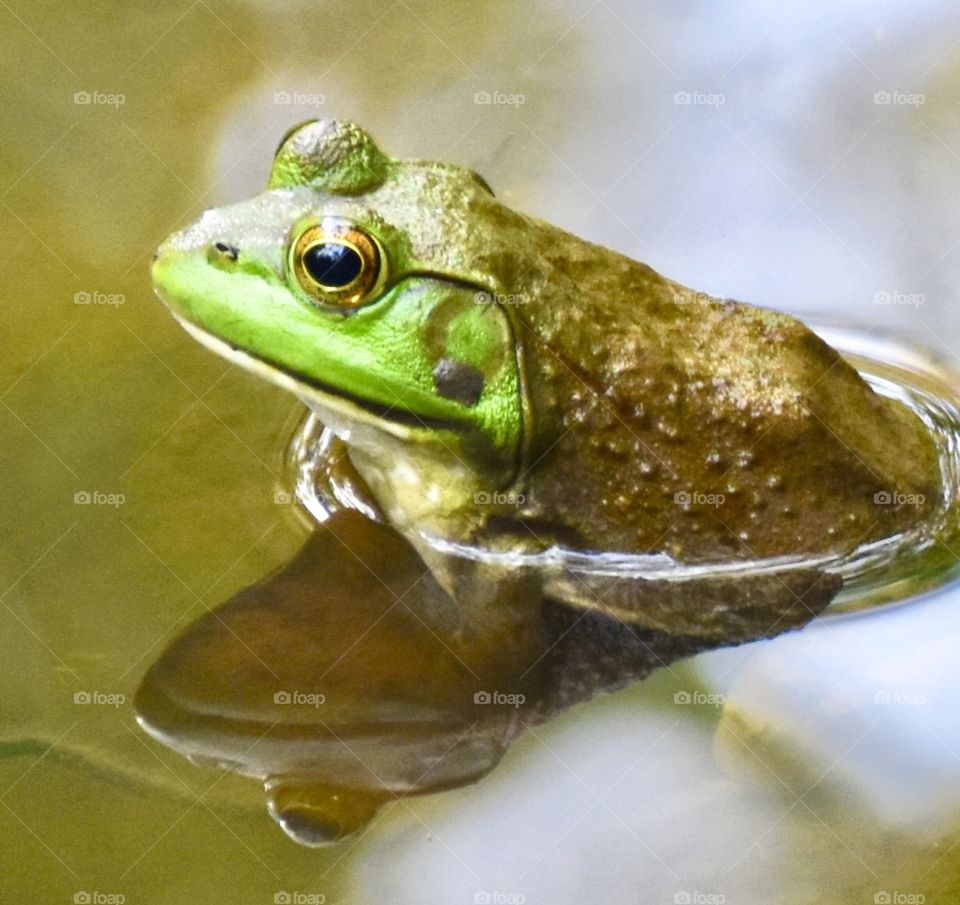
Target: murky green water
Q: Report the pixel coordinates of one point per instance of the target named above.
(138, 476)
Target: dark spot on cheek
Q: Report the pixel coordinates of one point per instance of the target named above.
(458, 381)
(231, 252)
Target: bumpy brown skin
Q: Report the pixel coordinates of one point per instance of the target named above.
(645, 391)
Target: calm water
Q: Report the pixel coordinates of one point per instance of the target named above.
(139, 473)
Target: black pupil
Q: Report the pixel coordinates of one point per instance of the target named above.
(332, 264)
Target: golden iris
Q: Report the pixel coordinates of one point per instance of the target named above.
(336, 263)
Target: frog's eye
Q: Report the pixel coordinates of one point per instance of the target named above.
(337, 263)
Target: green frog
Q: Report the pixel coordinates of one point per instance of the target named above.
(497, 384)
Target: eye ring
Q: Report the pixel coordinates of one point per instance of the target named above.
(337, 263)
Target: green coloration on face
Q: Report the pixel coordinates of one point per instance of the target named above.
(502, 383)
(375, 357)
(232, 281)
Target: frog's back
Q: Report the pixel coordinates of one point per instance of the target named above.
(670, 420)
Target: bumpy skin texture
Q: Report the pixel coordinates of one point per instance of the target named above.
(708, 429)
(615, 409)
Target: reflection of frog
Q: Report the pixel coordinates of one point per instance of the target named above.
(502, 383)
(343, 681)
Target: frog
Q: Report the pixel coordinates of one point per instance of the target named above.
(495, 383)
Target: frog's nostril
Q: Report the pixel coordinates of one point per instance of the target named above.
(228, 251)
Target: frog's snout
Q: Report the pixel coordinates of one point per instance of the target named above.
(218, 252)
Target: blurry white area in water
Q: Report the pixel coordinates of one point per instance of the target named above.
(632, 817)
(780, 181)
(714, 788)
(871, 699)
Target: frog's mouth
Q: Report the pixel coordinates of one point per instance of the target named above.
(402, 423)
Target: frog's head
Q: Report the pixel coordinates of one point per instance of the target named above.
(367, 285)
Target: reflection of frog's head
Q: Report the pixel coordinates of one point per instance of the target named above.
(365, 284)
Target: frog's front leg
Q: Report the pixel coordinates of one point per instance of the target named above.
(325, 479)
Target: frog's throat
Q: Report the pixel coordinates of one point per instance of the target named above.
(395, 420)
